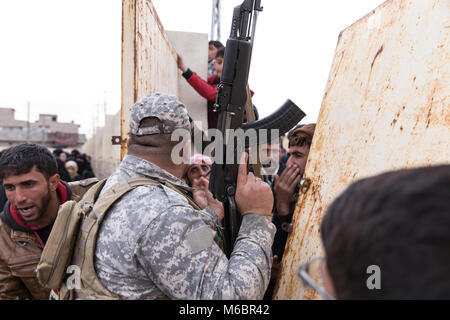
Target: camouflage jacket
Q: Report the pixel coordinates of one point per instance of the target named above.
(152, 244)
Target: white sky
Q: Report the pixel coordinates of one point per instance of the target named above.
(62, 55)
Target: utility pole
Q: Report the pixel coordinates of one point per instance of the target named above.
(28, 121)
(215, 21)
(105, 105)
(97, 116)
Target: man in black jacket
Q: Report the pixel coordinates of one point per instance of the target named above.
(63, 174)
(2, 191)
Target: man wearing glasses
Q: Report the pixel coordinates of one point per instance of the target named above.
(386, 237)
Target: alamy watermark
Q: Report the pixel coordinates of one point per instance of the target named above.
(221, 147)
(74, 277)
(374, 280)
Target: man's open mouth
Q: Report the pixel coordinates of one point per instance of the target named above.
(26, 211)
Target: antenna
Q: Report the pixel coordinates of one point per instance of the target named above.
(215, 21)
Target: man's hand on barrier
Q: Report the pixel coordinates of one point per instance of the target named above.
(180, 63)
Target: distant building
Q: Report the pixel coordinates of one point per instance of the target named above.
(46, 131)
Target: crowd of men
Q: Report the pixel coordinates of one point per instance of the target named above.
(163, 236)
(162, 239)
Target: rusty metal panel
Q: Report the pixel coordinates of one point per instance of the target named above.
(386, 106)
(148, 59)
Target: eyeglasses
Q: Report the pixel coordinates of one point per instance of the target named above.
(311, 274)
(206, 175)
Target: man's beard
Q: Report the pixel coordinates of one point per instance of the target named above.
(45, 201)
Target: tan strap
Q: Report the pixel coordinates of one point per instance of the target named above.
(140, 181)
(119, 189)
(116, 191)
(88, 200)
(184, 194)
(134, 182)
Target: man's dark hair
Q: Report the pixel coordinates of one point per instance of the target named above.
(22, 158)
(216, 44)
(57, 152)
(75, 152)
(220, 52)
(398, 221)
(301, 135)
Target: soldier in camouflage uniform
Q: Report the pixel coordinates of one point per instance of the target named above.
(153, 244)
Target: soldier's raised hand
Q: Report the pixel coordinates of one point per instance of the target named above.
(252, 194)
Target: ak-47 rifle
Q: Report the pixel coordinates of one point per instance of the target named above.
(230, 103)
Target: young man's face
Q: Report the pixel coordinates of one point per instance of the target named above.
(30, 194)
(218, 65)
(212, 50)
(298, 155)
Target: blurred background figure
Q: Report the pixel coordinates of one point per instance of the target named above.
(213, 46)
(72, 169)
(3, 198)
(61, 158)
(84, 167)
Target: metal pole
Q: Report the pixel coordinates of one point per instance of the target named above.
(28, 121)
(215, 20)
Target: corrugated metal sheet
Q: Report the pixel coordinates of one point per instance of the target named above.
(386, 106)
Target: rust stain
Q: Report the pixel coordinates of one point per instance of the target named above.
(337, 68)
(128, 84)
(376, 56)
(366, 93)
(429, 116)
(412, 100)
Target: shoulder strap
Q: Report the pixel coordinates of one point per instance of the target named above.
(95, 208)
(183, 193)
(115, 192)
(91, 199)
(88, 199)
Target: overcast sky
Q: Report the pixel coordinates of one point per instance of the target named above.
(64, 56)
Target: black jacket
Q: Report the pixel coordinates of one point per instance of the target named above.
(3, 198)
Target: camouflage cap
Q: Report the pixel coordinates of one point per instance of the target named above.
(165, 107)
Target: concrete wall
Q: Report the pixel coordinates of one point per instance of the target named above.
(7, 119)
(386, 106)
(105, 156)
(63, 127)
(193, 47)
